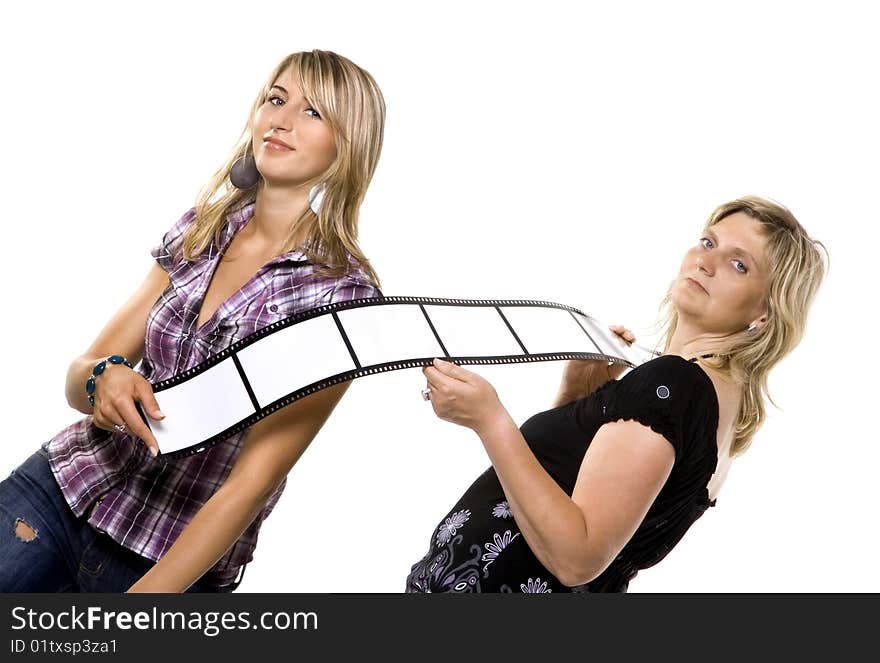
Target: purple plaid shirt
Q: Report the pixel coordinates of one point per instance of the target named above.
(144, 503)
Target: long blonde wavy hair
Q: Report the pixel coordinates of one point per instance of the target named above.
(349, 100)
(796, 269)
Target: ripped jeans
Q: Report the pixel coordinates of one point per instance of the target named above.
(44, 547)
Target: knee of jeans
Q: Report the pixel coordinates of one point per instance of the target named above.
(23, 531)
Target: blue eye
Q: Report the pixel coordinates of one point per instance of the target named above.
(707, 243)
(273, 98)
(313, 113)
(740, 266)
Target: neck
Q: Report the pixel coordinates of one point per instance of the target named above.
(689, 341)
(277, 211)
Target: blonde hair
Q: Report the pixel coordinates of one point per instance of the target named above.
(795, 271)
(348, 99)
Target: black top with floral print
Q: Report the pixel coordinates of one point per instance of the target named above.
(478, 547)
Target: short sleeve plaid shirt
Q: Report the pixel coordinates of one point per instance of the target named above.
(144, 503)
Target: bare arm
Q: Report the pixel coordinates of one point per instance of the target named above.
(577, 537)
(621, 475)
(272, 447)
(124, 334)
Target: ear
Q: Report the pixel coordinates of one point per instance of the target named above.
(758, 323)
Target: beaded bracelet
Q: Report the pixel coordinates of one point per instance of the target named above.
(98, 369)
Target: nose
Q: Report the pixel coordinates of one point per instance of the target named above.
(281, 119)
(705, 265)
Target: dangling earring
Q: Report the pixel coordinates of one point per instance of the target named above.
(316, 197)
(244, 173)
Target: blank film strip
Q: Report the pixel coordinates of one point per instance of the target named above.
(309, 351)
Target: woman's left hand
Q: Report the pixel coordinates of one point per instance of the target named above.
(462, 397)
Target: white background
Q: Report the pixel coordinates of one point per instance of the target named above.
(531, 151)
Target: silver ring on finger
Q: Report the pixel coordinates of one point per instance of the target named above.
(426, 394)
(119, 427)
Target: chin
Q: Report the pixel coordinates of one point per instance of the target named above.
(680, 296)
(685, 304)
(273, 175)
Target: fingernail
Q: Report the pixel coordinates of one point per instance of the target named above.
(154, 451)
(160, 414)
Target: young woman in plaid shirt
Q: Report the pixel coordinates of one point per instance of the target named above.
(94, 509)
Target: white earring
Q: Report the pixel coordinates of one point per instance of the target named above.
(316, 197)
(752, 328)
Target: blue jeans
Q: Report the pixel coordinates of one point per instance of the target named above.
(44, 547)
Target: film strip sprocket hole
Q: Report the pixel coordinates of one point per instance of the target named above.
(315, 349)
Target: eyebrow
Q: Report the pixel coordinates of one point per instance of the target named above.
(736, 249)
(287, 93)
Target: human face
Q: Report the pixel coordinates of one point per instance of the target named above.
(292, 142)
(722, 283)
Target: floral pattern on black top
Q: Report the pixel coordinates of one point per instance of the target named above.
(478, 547)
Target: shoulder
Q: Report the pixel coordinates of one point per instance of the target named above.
(312, 287)
(169, 246)
(671, 395)
(352, 285)
(671, 378)
(233, 218)
(182, 224)
(355, 283)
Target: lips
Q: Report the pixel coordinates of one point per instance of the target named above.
(278, 143)
(697, 284)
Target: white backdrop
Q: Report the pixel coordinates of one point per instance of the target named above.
(532, 151)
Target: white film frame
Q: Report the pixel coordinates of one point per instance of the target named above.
(313, 350)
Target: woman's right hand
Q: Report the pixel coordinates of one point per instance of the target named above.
(116, 391)
(581, 377)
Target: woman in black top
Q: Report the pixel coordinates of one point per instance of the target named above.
(584, 495)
